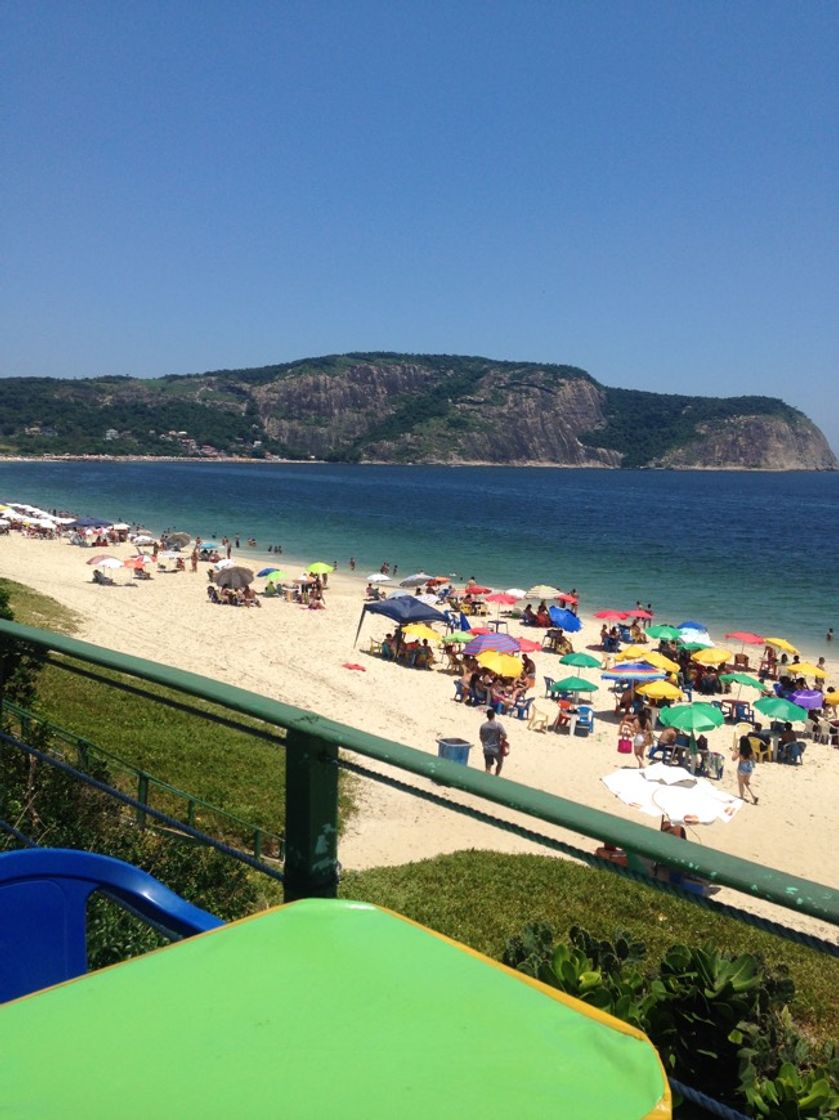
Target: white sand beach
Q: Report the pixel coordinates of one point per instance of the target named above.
(297, 655)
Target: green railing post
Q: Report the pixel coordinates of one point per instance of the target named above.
(311, 815)
(257, 843)
(142, 797)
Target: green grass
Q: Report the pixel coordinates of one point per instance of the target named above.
(484, 898)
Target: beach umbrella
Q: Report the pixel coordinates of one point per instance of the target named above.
(416, 580)
(660, 690)
(88, 523)
(634, 673)
(746, 637)
(501, 597)
(501, 643)
(143, 538)
(98, 558)
(574, 684)
(741, 679)
(266, 572)
(806, 669)
(420, 630)
(320, 569)
(673, 792)
(137, 562)
(692, 624)
(168, 554)
(711, 656)
(220, 565)
(404, 609)
(692, 717)
(205, 546)
(692, 647)
(429, 600)
(781, 644)
(109, 562)
(461, 636)
(579, 660)
(567, 597)
(179, 540)
(613, 616)
(662, 631)
(808, 698)
(234, 577)
(378, 577)
(526, 645)
(775, 707)
(689, 636)
(542, 591)
(274, 576)
(516, 592)
(565, 619)
(660, 661)
(504, 664)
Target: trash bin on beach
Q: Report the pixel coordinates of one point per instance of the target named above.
(455, 750)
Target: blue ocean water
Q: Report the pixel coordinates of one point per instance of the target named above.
(734, 550)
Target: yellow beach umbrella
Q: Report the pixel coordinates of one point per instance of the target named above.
(504, 664)
(781, 643)
(712, 656)
(807, 669)
(831, 698)
(661, 662)
(660, 690)
(543, 591)
(419, 630)
(633, 653)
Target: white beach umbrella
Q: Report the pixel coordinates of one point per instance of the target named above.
(378, 577)
(517, 592)
(220, 565)
(673, 792)
(109, 562)
(143, 538)
(168, 554)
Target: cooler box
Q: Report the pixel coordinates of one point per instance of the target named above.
(455, 750)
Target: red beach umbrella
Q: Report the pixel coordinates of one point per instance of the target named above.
(474, 589)
(639, 613)
(615, 616)
(528, 646)
(501, 597)
(566, 597)
(747, 637)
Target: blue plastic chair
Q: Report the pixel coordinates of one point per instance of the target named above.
(43, 912)
(585, 720)
(549, 681)
(522, 708)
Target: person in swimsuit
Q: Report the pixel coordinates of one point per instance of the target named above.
(744, 757)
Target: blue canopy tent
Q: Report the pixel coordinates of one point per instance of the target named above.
(401, 610)
(89, 523)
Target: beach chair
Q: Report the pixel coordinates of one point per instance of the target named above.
(585, 720)
(43, 912)
(537, 720)
(549, 681)
(742, 711)
(521, 710)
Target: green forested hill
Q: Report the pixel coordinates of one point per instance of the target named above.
(403, 408)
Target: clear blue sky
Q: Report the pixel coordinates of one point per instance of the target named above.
(647, 190)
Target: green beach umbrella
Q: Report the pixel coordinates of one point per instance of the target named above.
(320, 568)
(574, 684)
(669, 632)
(459, 636)
(692, 717)
(692, 647)
(742, 678)
(274, 576)
(777, 708)
(580, 660)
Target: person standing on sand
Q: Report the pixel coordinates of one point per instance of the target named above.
(193, 560)
(744, 757)
(829, 635)
(493, 741)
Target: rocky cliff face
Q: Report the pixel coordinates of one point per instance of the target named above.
(756, 443)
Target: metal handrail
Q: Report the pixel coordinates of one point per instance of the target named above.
(311, 748)
(86, 750)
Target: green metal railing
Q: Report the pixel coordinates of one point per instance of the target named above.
(312, 744)
(144, 785)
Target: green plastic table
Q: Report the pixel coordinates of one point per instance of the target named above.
(320, 1009)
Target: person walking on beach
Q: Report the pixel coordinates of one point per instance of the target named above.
(493, 741)
(643, 737)
(744, 756)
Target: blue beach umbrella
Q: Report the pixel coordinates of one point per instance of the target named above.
(266, 571)
(565, 619)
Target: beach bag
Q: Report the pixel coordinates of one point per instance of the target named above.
(505, 747)
(624, 746)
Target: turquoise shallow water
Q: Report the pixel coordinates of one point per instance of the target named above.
(734, 550)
